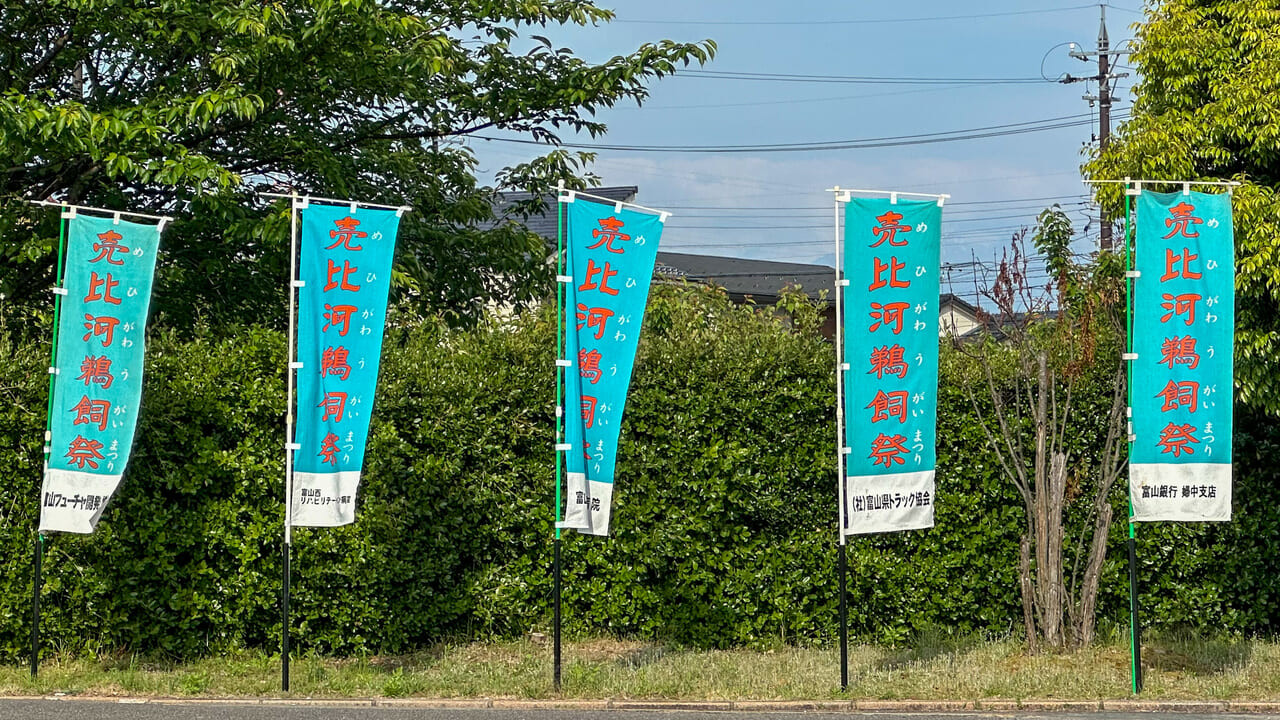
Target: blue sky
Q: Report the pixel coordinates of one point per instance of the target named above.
(774, 205)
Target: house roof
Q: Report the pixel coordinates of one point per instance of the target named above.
(959, 303)
(762, 280)
(544, 224)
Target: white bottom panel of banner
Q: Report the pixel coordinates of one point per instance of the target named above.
(601, 502)
(324, 499)
(587, 505)
(1197, 492)
(889, 503)
(72, 501)
(577, 502)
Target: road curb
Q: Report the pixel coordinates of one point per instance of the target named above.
(789, 706)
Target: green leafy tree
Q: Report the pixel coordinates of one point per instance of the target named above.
(184, 107)
(1208, 107)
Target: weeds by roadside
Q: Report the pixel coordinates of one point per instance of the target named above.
(934, 667)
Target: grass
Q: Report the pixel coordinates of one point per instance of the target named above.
(933, 668)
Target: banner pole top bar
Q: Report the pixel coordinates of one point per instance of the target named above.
(569, 195)
(114, 214)
(400, 209)
(1134, 187)
(845, 195)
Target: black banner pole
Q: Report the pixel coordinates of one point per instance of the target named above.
(284, 635)
(36, 585)
(1135, 625)
(844, 619)
(555, 632)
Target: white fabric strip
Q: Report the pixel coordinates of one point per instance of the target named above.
(324, 499)
(577, 500)
(601, 503)
(1197, 492)
(889, 503)
(72, 501)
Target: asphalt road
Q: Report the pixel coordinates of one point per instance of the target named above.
(90, 710)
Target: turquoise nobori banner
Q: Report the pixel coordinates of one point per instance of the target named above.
(345, 268)
(1183, 331)
(110, 264)
(891, 258)
(611, 254)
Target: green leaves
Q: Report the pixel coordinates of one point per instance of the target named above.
(724, 520)
(159, 107)
(1208, 107)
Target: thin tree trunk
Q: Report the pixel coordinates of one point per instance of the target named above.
(1028, 599)
(1087, 623)
(1052, 575)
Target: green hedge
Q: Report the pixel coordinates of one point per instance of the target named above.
(724, 520)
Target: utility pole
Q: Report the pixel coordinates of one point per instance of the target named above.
(1104, 79)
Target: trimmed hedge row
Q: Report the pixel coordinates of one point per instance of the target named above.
(723, 526)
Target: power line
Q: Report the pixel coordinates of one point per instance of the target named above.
(857, 79)
(828, 242)
(673, 223)
(816, 213)
(828, 207)
(798, 101)
(867, 21)
(890, 141)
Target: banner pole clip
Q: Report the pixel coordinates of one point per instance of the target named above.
(842, 282)
(1133, 273)
(58, 290)
(564, 278)
(563, 447)
(1129, 356)
(561, 362)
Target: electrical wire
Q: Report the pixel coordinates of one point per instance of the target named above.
(866, 21)
(805, 213)
(855, 79)
(889, 141)
(675, 223)
(827, 208)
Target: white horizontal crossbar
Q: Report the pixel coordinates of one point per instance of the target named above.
(72, 209)
(334, 201)
(569, 195)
